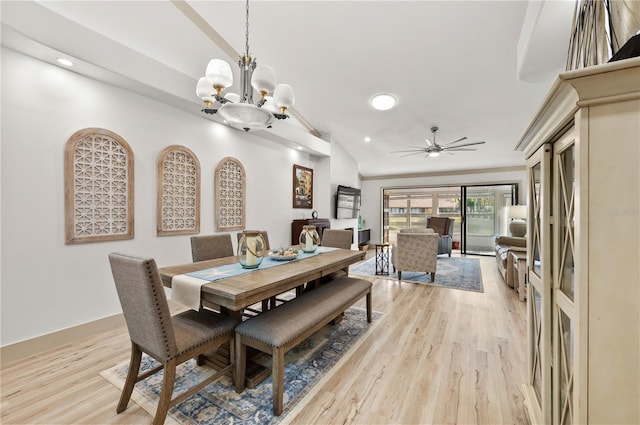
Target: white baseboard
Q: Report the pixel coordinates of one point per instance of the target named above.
(29, 347)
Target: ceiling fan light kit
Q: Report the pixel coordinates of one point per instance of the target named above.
(241, 111)
(433, 149)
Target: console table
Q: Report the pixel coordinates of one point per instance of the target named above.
(364, 236)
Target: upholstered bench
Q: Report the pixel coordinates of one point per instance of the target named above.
(282, 328)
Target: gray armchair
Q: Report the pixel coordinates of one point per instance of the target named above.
(443, 226)
(415, 252)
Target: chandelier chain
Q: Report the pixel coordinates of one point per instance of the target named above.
(246, 42)
(239, 110)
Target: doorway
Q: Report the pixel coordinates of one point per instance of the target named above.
(483, 217)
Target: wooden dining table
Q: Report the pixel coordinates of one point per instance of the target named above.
(235, 293)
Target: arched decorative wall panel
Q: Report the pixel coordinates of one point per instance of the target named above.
(98, 187)
(178, 202)
(230, 182)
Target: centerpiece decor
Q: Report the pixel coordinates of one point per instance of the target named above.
(251, 249)
(309, 239)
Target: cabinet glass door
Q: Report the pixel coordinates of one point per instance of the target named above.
(564, 317)
(565, 177)
(539, 248)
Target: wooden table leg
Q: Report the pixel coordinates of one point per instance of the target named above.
(255, 372)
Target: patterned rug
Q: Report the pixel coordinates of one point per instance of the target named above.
(451, 272)
(218, 403)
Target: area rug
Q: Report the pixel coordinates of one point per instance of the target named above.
(451, 272)
(305, 365)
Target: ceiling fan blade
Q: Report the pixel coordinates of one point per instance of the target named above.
(429, 142)
(456, 141)
(460, 150)
(409, 150)
(465, 145)
(410, 154)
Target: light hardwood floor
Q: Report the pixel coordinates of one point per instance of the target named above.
(437, 356)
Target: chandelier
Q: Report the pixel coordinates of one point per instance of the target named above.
(239, 110)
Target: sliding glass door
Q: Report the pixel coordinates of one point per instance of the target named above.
(479, 212)
(486, 216)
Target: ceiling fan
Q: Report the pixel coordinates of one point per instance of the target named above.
(434, 149)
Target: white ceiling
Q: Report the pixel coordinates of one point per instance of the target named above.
(453, 64)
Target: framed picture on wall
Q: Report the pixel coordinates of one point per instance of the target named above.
(302, 187)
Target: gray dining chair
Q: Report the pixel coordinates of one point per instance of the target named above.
(210, 247)
(171, 340)
(337, 238)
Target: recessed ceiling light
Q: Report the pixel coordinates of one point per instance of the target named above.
(299, 148)
(367, 139)
(65, 62)
(383, 101)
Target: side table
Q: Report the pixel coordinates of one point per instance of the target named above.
(382, 259)
(519, 273)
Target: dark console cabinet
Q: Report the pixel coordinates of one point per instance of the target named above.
(296, 227)
(364, 235)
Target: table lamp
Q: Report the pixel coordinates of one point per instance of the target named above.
(518, 216)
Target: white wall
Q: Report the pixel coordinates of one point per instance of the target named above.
(372, 191)
(49, 286)
(344, 171)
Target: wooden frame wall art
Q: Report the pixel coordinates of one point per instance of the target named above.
(230, 204)
(302, 187)
(178, 201)
(98, 187)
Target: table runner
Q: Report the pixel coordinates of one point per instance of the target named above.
(186, 288)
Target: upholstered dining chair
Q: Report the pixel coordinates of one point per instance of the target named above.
(209, 247)
(337, 238)
(415, 252)
(171, 340)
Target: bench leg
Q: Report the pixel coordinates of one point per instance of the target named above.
(369, 307)
(277, 376)
(239, 364)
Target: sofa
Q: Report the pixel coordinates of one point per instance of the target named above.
(504, 245)
(443, 226)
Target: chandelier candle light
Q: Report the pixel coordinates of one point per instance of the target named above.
(239, 110)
